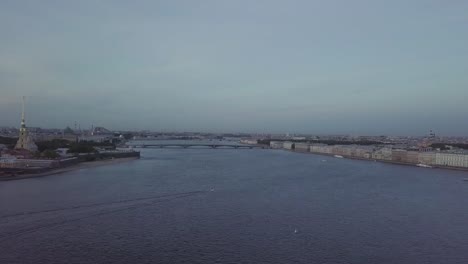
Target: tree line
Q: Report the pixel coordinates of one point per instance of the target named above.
(446, 146)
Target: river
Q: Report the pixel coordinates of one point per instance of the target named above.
(237, 206)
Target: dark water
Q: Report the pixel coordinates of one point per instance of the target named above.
(237, 206)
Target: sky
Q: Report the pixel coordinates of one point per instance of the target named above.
(367, 67)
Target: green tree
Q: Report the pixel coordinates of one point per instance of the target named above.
(52, 144)
(8, 141)
(50, 154)
(81, 148)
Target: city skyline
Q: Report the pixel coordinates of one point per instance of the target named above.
(79, 128)
(316, 67)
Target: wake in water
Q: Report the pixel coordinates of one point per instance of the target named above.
(96, 204)
(142, 202)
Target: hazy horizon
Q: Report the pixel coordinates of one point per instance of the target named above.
(316, 67)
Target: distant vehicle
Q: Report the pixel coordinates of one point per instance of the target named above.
(423, 165)
(338, 156)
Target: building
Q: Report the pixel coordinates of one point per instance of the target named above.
(412, 157)
(298, 138)
(427, 158)
(249, 141)
(14, 163)
(63, 152)
(96, 138)
(399, 155)
(382, 154)
(25, 141)
(364, 152)
(276, 144)
(321, 148)
(101, 131)
(288, 145)
(303, 147)
(28, 163)
(451, 160)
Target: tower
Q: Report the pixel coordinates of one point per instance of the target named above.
(25, 141)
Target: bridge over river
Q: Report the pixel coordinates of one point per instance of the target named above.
(188, 145)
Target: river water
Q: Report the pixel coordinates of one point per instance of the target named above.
(237, 206)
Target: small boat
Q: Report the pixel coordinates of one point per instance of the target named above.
(338, 156)
(423, 165)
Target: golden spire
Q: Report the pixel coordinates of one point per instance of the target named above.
(23, 122)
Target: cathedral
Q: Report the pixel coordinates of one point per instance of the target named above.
(25, 141)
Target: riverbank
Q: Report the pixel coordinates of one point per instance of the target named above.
(383, 161)
(81, 165)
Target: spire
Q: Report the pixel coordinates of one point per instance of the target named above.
(25, 141)
(23, 122)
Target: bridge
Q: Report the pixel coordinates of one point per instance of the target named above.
(213, 146)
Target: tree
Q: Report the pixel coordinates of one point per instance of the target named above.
(50, 154)
(445, 146)
(52, 144)
(81, 148)
(8, 141)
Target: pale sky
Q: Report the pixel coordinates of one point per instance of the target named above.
(358, 67)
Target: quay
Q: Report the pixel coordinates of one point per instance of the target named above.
(386, 153)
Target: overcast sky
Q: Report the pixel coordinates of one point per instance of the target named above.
(358, 67)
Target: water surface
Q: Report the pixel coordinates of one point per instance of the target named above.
(237, 206)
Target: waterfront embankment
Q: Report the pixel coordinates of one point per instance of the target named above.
(394, 162)
(27, 168)
(78, 166)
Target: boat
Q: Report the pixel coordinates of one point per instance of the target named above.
(338, 156)
(423, 165)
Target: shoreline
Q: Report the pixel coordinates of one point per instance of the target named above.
(382, 161)
(81, 165)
